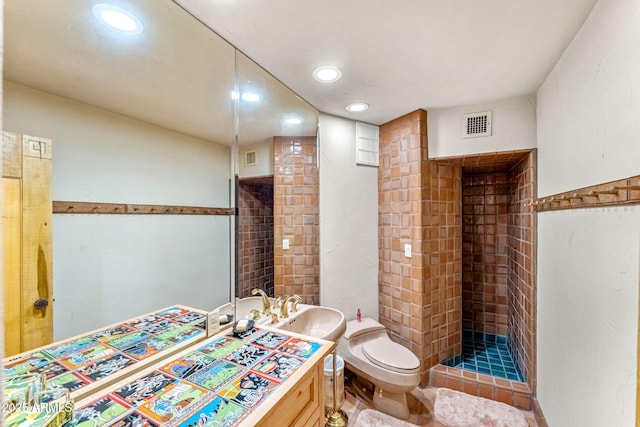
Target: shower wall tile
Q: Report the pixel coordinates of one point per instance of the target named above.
(296, 217)
(485, 252)
(255, 238)
(522, 268)
(419, 205)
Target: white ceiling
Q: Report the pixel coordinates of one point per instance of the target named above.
(402, 55)
(397, 56)
(176, 74)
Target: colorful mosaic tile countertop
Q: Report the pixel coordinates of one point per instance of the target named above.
(217, 382)
(82, 361)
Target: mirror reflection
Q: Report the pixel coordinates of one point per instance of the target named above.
(135, 119)
(277, 237)
(145, 119)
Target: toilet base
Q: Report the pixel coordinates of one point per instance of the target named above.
(394, 404)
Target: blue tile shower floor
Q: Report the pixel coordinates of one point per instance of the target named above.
(486, 354)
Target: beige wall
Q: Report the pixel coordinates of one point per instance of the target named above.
(112, 267)
(514, 128)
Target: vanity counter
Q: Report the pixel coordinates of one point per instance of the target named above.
(86, 363)
(260, 377)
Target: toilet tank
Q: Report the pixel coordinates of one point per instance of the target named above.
(356, 329)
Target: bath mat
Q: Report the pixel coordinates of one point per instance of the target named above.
(373, 418)
(455, 409)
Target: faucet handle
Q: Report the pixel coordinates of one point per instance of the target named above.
(274, 318)
(255, 314)
(294, 304)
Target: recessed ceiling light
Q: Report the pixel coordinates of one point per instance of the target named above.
(292, 120)
(327, 74)
(357, 107)
(250, 96)
(118, 18)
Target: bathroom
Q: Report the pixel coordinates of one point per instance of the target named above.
(572, 302)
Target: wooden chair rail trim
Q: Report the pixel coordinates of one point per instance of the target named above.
(615, 193)
(88, 208)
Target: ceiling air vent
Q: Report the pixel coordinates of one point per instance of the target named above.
(476, 124)
(250, 158)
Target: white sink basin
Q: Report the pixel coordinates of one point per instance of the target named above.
(244, 306)
(316, 321)
(311, 320)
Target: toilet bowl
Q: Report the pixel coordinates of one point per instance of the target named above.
(392, 369)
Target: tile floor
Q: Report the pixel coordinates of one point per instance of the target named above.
(421, 402)
(487, 354)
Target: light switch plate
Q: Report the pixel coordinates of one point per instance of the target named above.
(407, 250)
(213, 322)
(285, 244)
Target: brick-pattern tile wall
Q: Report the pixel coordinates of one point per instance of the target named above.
(522, 268)
(520, 223)
(420, 205)
(442, 275)
(255, 238)
(401, 286)
(296, 217)
(484, 252)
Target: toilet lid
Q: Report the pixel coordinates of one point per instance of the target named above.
(390, 355)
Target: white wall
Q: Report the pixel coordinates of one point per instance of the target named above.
(110, 267)
(588, 316)
(589, 105)
(514, 128)
(588, 260)
(264, 160)
(348, 222)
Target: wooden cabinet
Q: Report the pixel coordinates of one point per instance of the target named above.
(301, 406)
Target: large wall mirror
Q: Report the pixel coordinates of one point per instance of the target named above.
(154, 118)
(276, 139)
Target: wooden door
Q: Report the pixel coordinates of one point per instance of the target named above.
(27, 242)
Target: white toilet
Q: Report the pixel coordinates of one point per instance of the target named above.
(392, 369)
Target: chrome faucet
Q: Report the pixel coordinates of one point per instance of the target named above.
(284, 310)
(266, 304)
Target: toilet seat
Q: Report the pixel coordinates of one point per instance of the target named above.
(390, 355)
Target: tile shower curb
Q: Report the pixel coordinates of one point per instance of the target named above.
(514, 393)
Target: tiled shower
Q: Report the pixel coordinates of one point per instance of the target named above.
(497, 274)
(498, 280)
(470, 226)
(255, 236)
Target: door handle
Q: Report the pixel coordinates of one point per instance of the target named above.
(40, 304)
